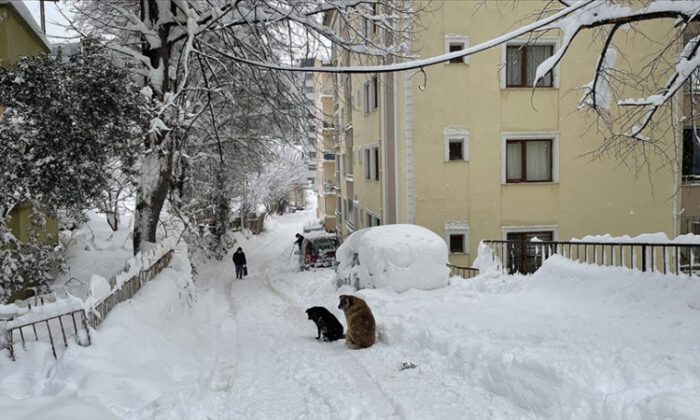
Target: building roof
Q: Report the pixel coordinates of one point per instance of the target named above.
(23, 12)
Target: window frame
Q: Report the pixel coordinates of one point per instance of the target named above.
(462, 40)
(688, 157)
(453, 134)
(457, 228)
(370, 95)
(369, 26)
(554, 155)
(367, 152)
(372, 158)
(372, 219)
(544, 41)
(523, 160)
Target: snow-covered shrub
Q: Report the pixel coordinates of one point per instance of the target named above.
(400, 257)
(63, 124)
(27, 265)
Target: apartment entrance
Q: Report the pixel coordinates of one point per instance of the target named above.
(523, 256)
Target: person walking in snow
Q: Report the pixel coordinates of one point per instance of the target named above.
(299, 240)
(240, 262)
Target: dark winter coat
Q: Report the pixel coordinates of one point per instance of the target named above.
(239, 258)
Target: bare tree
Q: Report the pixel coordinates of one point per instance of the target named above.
(162, 40)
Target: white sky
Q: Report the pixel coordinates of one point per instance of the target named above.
(55, 30)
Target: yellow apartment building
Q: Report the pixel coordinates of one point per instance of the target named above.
(326, 147)
(473, 152)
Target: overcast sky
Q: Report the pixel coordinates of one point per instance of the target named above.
(54, 21)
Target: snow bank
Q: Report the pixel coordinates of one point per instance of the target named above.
(161, 341)
(654, 238)
(400, 257)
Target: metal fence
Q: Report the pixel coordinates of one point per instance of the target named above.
(464, 272)
(47, 329)
(667, 258)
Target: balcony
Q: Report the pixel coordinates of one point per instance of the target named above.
(329, 188)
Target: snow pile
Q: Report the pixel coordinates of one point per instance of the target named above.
(159, 341)
(37, 313)
(400, 257)
(653, 238)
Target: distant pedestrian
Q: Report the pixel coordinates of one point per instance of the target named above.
(240, 262)
(299, 240)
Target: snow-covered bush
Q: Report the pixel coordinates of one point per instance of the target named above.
(400, 257)
(25, 265)
(63, 124)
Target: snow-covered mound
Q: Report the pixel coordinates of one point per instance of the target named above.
(400, 257)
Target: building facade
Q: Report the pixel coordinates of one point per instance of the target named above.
(472, 152)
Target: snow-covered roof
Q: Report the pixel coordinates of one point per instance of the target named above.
(24, 13)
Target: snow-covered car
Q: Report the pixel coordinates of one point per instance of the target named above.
(313, 225)
(400, 257)
(318, 250)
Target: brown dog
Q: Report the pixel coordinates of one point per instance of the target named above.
(360, 322)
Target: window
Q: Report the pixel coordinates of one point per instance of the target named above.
(371, 162)
(691, 155)
(456, 149)
(370, 93)
(457, 243)
(368, 166)
(456, 142)
(372, 220)
(312, 155)
(456, 43)
(528, 160)
(457, 236)
(375, 163)
(352, 214)
(369, 27)
(521, 65)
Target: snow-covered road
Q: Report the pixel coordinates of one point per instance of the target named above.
(274, 368)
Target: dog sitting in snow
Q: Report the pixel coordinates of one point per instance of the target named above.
(329, 328)
(360, 321)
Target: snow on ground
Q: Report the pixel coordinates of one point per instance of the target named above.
(570, 342)
(93, 248)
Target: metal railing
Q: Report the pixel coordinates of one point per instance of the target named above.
(464, 272)
(42, 329)
(47, 328)
(666, 258)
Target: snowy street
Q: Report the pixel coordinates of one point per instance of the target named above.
(570, 342)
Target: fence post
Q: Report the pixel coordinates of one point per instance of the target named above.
(644, 258)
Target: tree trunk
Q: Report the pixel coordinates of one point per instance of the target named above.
(156, 174)
(157, 163)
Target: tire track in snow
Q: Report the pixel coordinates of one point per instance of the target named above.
(374, 398)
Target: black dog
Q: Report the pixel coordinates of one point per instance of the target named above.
(329, 328)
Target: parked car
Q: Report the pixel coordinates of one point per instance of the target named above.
(318, 250)
(314, 225)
